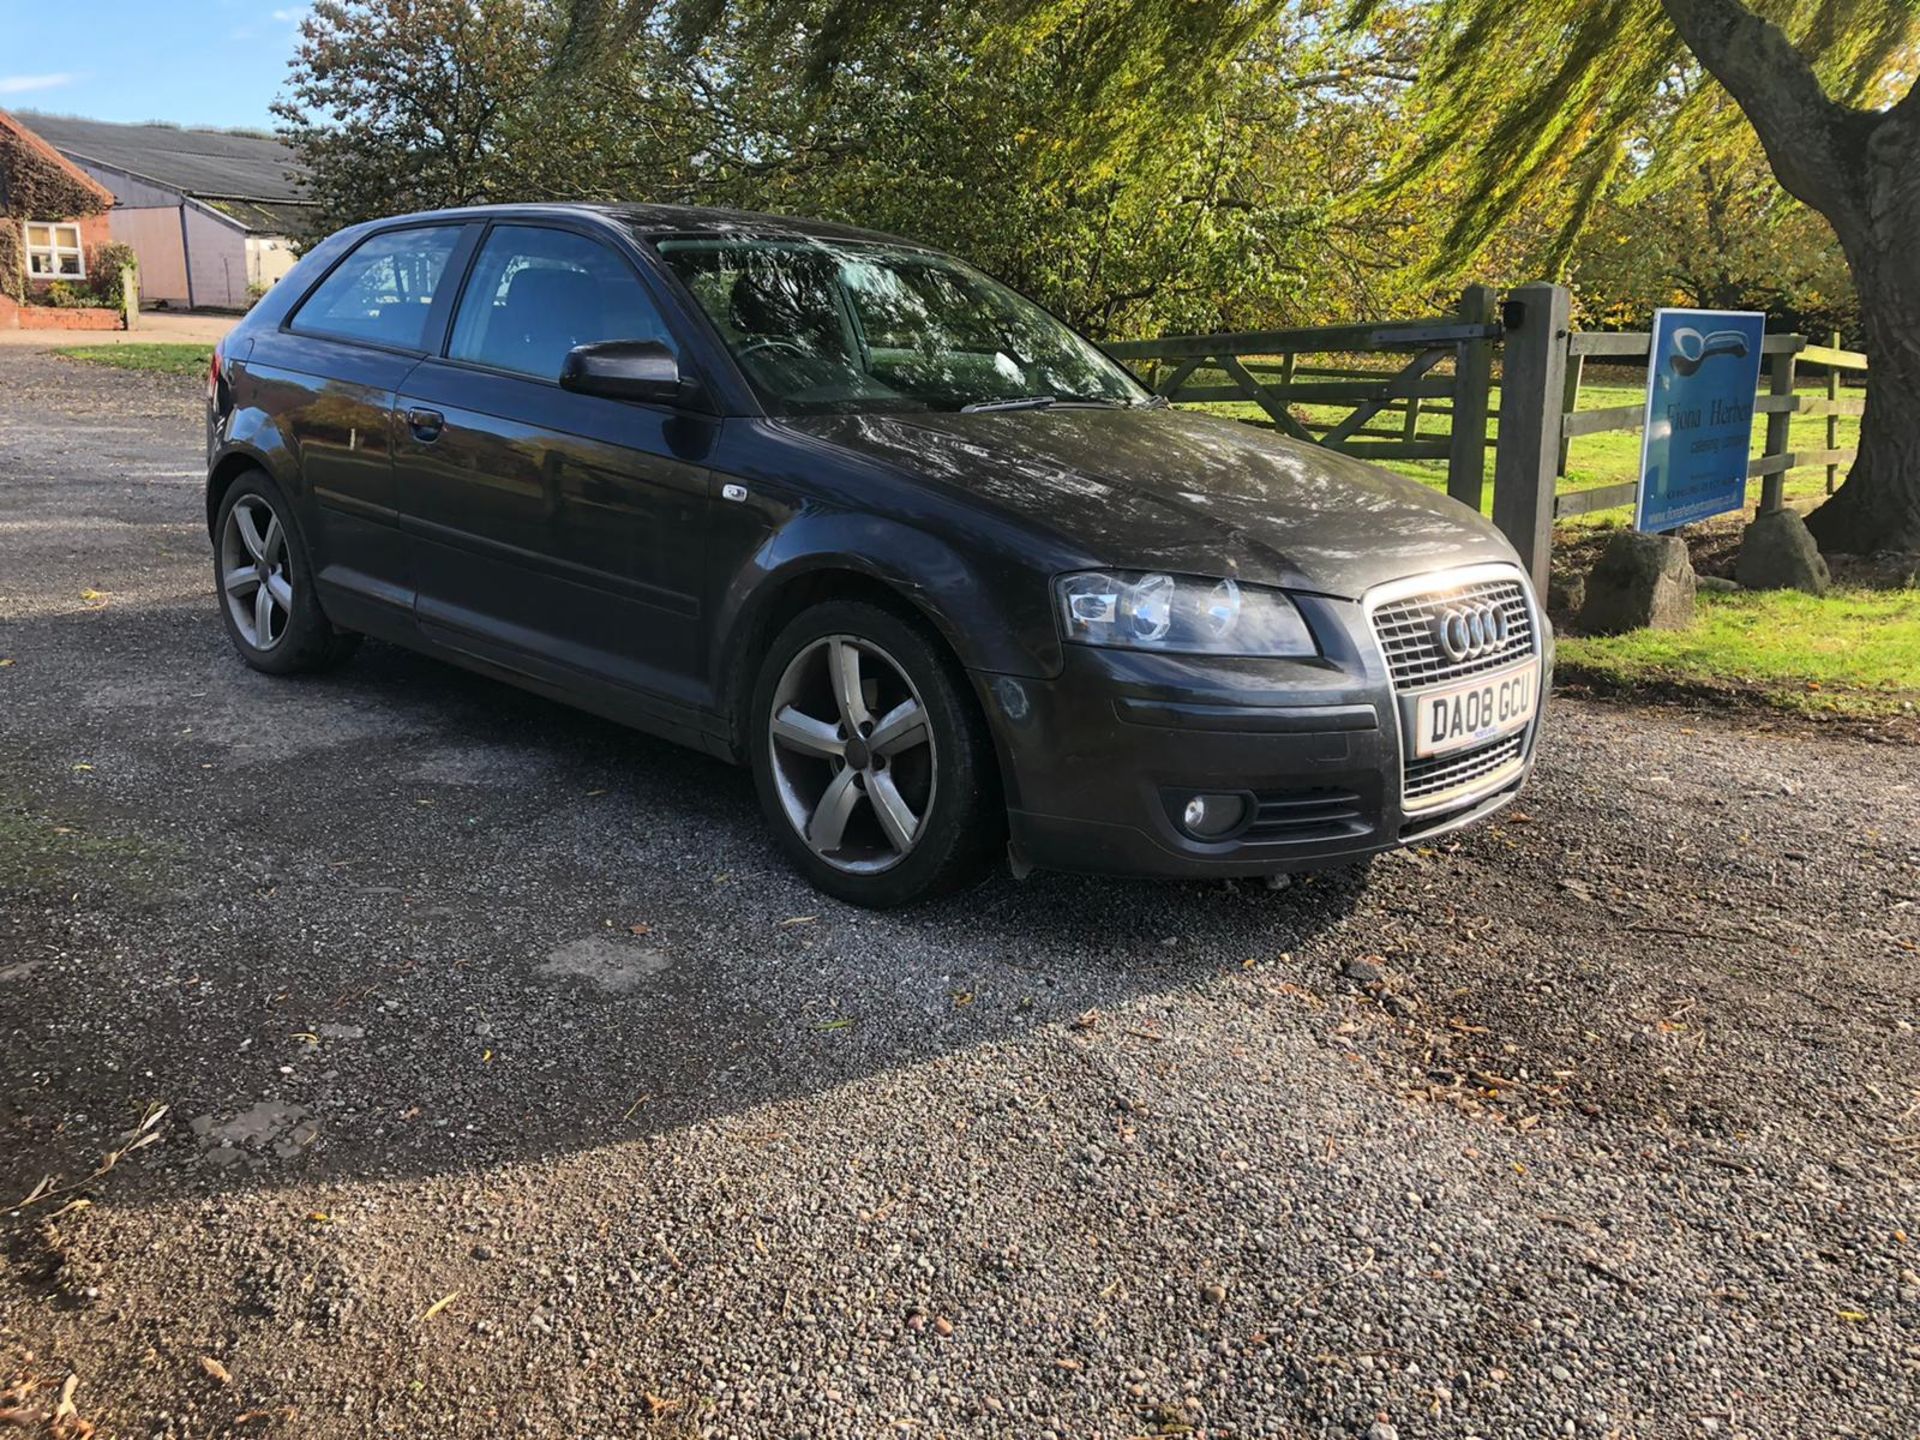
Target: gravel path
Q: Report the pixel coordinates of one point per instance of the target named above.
(513, 1086)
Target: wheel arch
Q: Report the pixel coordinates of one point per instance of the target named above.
(783, 596)
(227, 468)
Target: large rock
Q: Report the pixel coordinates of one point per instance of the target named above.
(1642, 582)
(1778, 553)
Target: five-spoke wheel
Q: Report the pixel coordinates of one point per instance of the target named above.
(265, 581)
(254, 572)
(872, 757)
(853, 757)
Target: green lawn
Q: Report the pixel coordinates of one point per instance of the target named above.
(154, 359)
(1854, 652)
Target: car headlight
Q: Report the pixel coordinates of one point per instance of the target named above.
(1179, 614)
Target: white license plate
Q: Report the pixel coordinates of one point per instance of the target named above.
(1477, 710)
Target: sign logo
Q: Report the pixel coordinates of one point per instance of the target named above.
(1702, 370)
(1467, 632)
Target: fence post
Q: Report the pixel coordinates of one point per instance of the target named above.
(1576, 368)
(130, 296)
(1833, 420)
(1472, 384)
(1782, 371)
(1532, 390)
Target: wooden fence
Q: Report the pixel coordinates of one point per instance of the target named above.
(1444, 366)
(1440, 366)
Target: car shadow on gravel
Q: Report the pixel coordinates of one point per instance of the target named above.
(403, 920)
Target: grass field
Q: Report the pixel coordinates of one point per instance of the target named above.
(153, 359)
(1849, 652)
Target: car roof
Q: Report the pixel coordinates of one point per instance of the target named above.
(662, 220)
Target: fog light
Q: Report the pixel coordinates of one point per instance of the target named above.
(1210, 816)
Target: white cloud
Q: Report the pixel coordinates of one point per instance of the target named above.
(293, 15)
(24, 84)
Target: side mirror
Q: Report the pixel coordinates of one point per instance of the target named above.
(624, 370)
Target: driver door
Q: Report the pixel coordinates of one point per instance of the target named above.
(558, 534)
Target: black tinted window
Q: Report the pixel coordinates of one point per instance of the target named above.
(537, 293)
(384, 290)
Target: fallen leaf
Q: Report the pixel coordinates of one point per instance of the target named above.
(83, 766)
(7, 661)
(1086, 1020)
(961, 997)
(214, 1368)
(486, 1057)
(640, 929)
(71, 1206)
(92, 596)
(658, 1405)
(20, 1419)
(799, 920)
(319, 1217)
(841, 1024)
(1854, 1316)
(439, 1305)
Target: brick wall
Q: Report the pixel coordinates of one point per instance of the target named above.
(51, 317)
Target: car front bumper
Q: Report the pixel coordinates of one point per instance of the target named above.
(1099, 760)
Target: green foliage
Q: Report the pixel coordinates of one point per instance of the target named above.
(13, 260)
(1606, 90)
(106, 270)
(1051, 145)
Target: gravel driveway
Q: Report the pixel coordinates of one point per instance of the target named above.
(497, 1078)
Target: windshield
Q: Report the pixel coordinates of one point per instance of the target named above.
(833, 326)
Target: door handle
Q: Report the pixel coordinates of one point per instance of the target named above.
(426, 424)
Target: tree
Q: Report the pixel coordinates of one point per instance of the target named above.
(1126, 201)
(1827, 88)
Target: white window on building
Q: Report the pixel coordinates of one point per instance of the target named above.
(54, 253)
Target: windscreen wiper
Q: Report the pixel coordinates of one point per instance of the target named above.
(1017, 402)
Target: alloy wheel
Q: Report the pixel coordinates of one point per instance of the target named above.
(256, 572)
(853, 754)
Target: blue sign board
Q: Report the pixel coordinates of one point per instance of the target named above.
(1702, 372)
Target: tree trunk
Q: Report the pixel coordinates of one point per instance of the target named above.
(1860, 169)
(1878, 508)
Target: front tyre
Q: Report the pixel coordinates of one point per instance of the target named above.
(265, 580)
(871, 757)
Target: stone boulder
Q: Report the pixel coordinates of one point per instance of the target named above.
(1778, 553)
(1641, 582)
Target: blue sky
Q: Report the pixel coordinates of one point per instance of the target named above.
(195, 62)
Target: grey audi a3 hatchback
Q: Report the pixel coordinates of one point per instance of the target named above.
(844, 509)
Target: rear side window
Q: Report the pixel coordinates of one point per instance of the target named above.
(536, 293)
(383, 292)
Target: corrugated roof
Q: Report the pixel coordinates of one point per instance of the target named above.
(200, 163)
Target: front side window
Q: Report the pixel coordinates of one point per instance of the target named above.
(537, 293)
(383, 292)
(822, 326)
(54, 253)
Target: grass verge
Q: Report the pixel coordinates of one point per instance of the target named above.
(1852, 653)
(152, 359)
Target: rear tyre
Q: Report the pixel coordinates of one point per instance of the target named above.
(872, 759)
(264, 578)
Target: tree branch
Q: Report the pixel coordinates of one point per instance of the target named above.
(1801, 128)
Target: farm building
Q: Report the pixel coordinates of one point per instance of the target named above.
(211, 214)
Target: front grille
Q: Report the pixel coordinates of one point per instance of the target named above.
(1429, 780)
(1404, 628)
(1307, 815)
